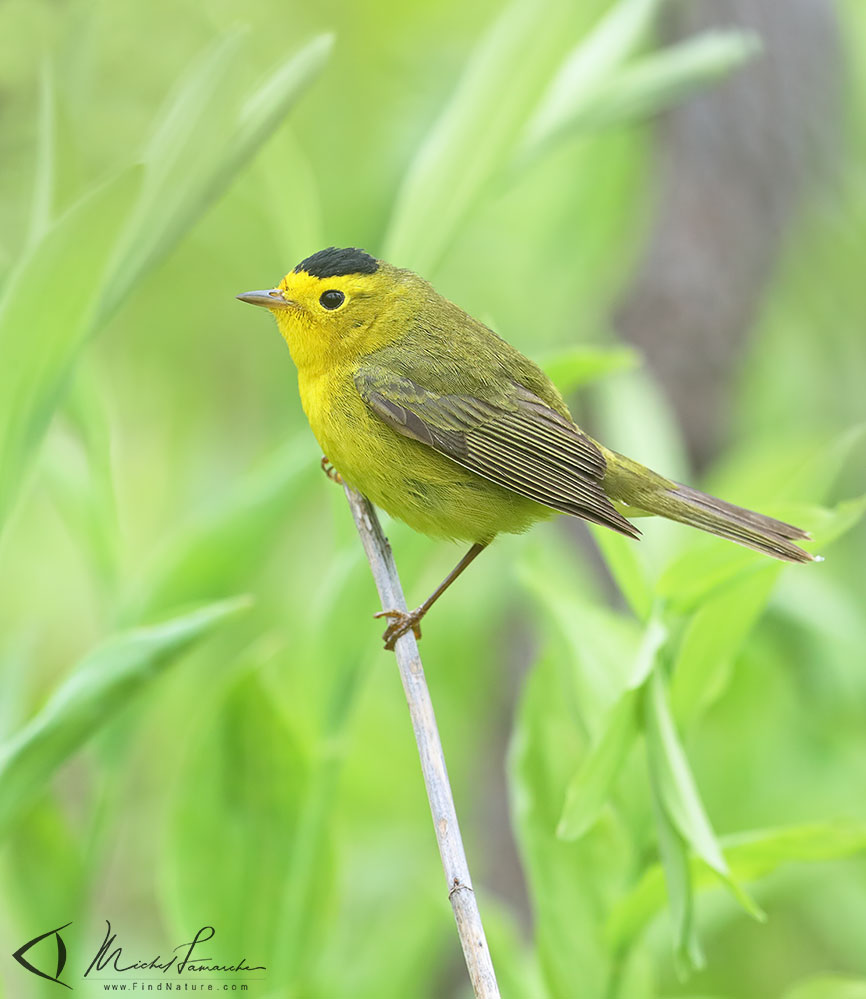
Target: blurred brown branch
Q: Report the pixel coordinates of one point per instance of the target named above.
(734, 163)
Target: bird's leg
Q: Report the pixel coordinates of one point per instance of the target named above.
(402, 621)
(330, 471)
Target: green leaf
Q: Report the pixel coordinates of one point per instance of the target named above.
(237, 795)
(638, 975)
(90, 697)
(750, 856)
(306, 858)
(289, 204)
(216, 551)
(81, 479)
(677, 790)
(16, 676)
(636, 419)
(688, 954)
(828, 525)
(202, 140)
(584, 71)
(828, 987)
(599, 645)
(5, 262)
(757, 853)
(813, 477)
(515, 960)
(263, 109)
(778, 468)
(596, 87)
(44, 863)
(567, 881)
(300, 896)
(625, 562)
(52, 295)
(714, 635)
(452, 167)
(655, 82)
(676, 786)
(42, 202)
(592, 783)
(573, 367)
(704, 567)
(711, 563)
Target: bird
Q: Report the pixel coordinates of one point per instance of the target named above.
(446, 426)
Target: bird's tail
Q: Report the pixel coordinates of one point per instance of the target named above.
(644, 491)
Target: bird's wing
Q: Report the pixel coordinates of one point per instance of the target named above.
(521, 444)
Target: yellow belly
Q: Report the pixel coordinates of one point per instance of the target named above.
(404, 477)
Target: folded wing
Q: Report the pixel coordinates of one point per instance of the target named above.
(519, 443)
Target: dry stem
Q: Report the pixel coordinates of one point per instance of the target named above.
(460, 891)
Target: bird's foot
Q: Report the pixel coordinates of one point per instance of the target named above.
(330, 471)
(402, 621)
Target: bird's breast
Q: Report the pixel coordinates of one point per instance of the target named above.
(340, 420)
(408, 479)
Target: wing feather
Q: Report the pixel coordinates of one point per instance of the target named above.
(521, 444)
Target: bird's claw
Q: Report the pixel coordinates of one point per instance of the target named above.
(402, 621)
(330, 471)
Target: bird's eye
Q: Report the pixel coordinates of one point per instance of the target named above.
(331, 299)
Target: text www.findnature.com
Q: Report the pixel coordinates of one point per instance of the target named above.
(171, 987)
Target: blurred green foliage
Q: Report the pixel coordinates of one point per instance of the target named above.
(687, 745)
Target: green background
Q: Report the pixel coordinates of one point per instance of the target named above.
(649, 746)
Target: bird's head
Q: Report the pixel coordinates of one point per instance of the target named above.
(328, 306)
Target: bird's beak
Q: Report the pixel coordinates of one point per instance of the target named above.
(271, 299)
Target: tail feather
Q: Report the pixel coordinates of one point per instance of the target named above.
(754, 530)
(636, 486)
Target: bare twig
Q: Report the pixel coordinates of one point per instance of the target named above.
(460, 890)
